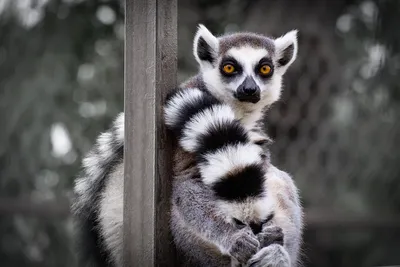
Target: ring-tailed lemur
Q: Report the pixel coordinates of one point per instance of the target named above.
(224, 186)
(224, 189)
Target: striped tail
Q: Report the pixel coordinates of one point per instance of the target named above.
(97, 165)
(228, 160)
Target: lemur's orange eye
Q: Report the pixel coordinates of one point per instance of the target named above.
(228, 68)
(265, 70)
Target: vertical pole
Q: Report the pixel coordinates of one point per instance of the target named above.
(150, 71)
(167, 54)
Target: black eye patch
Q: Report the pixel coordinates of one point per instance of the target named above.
(264, 61)
(230, 61)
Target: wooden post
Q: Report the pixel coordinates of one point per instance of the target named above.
(150, 71)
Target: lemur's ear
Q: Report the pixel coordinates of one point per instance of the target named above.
(286, 49)
(205, 46)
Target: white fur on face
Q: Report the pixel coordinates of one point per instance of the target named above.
(248, 58)
(214, 83)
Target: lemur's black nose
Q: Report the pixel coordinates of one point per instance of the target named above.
(249, 86)
(248, 91)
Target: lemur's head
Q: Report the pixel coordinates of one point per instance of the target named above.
(244, 67)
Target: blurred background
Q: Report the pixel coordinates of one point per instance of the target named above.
(336, 128)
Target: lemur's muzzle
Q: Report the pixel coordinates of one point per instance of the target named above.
(248, 91)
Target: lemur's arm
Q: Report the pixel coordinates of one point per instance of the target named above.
(289, 211)
(195, 206)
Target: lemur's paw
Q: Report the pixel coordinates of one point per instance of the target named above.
(270, 235)
(244, 246)
(272, 256)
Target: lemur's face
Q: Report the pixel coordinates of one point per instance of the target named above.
(244, 67)
(245, 72)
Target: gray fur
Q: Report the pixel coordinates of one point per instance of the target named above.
(273, 255)
(230, 41)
